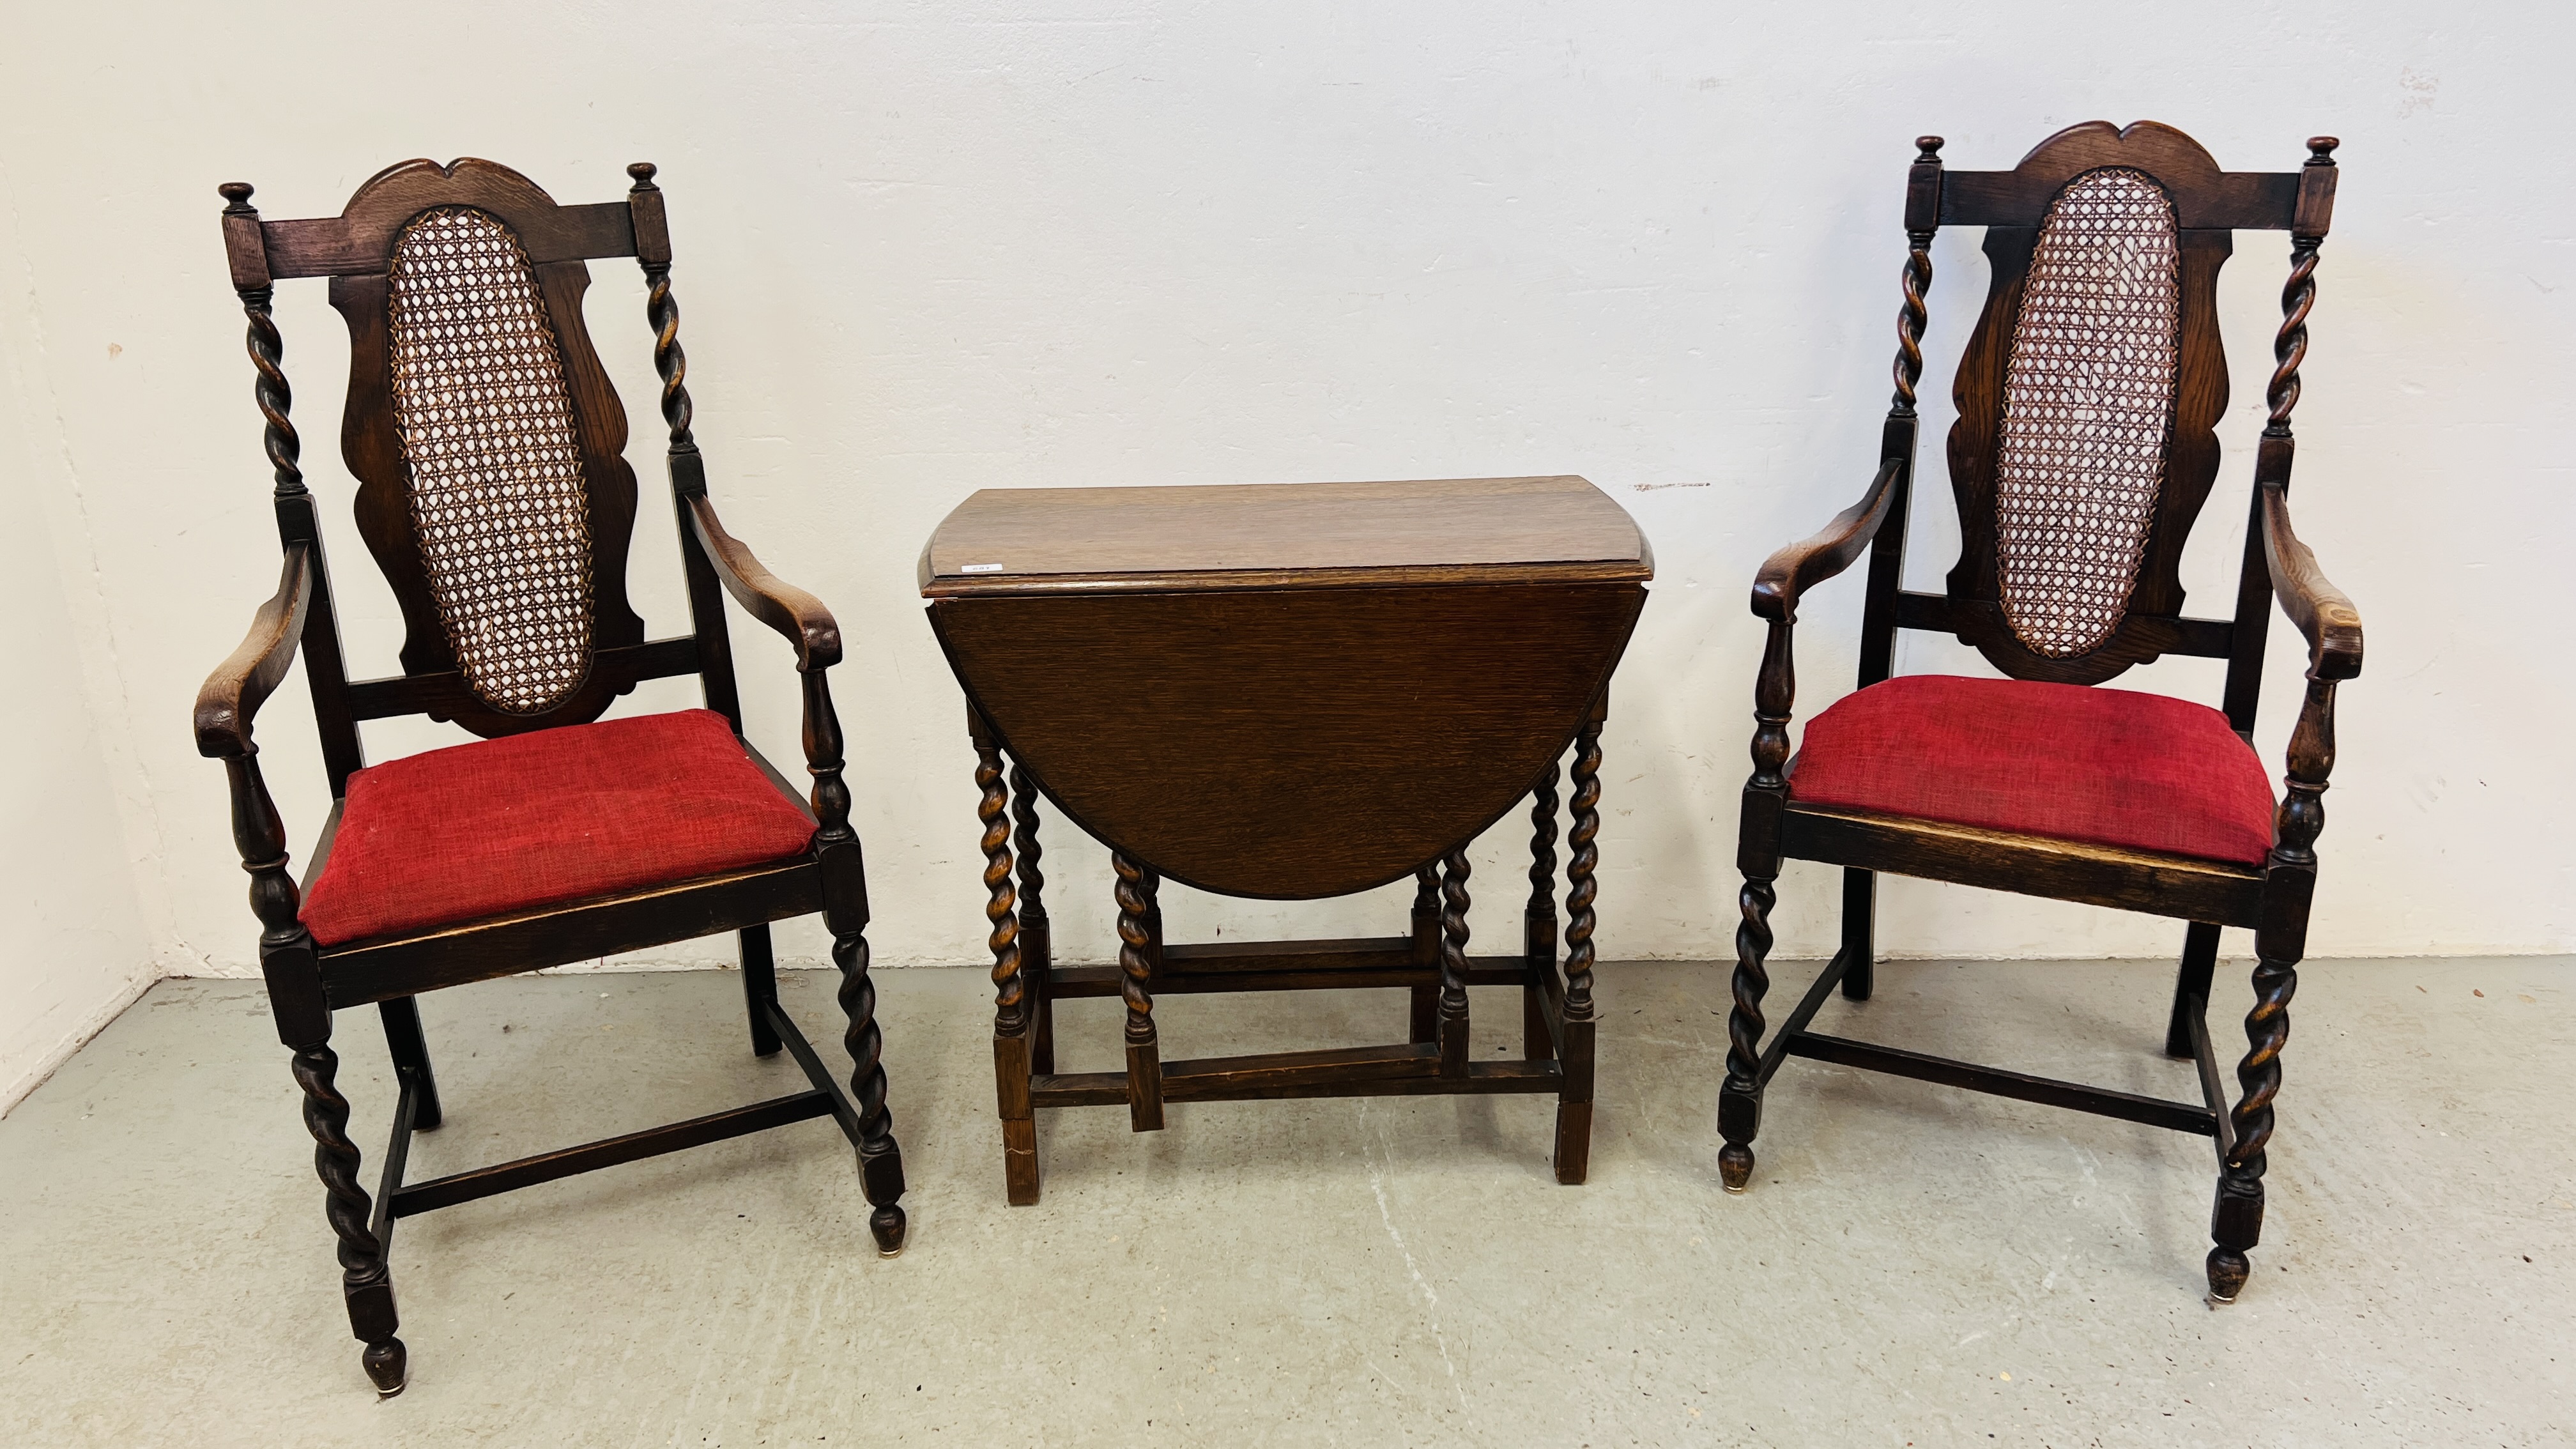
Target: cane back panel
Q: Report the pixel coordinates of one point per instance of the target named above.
(499, 508)
(486, 441)
(2088, 396)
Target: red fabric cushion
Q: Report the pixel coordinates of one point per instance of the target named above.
(2104, 766)
(531, 820)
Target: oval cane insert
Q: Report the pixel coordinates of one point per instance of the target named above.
(498, 500)
(2088, 411)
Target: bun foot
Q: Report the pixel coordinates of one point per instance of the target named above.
(388, 1365)
(2227, 1271)
(1735, 1167)
(887, 1225)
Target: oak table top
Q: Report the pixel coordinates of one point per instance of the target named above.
(1298, 535)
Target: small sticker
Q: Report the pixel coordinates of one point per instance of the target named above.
(979, 568)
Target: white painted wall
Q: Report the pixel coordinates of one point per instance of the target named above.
(73, 948)
(931, 247)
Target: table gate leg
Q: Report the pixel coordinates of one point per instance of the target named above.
(1012, 1018)
(1136, 951)
(1426, 954)
(1574, 1099)
(1538, 924)
(1037, 941)
(1453, 963)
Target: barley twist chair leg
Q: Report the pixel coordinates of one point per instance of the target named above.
(2236, 1220)
(1739, 1102)
(845, 915)
(880, 1158)
(365, 1280)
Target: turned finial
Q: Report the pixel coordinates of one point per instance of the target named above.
(2321, 150)
(643, 172)
(236, 195)
(1928, 148)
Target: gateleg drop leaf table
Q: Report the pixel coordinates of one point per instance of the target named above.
(1289, 692)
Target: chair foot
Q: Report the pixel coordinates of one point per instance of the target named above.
(388, 1365)
(1735, 1167)
(1739, 1101)
(2227, 1272)
(887, 1226)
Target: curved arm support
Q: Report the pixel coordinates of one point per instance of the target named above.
(1795, 569)
(773, 601)
(2322, 612)
(2333, 630)
(242, 683)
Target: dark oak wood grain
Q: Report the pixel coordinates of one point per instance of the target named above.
(1994, 1081)
(1793, 570)
(2179, 886)
(242, 683)
(2205, 206)
(1357, 1072)
(1312, 714)
(444, 693)
(500, 1177)
(797, 615)
(1293, 966)
(2326, 618)
(2205, 197)
(363, 971)
(1305, 535)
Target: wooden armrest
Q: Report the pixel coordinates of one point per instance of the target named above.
(2328, 619)
(1800, 566)
(773, 601)
(242, 683)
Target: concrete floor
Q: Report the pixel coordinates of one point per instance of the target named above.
(1915, 1265)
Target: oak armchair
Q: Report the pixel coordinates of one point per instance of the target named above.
(2088, 397)
(494, 494)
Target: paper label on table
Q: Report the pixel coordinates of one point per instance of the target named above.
(979, 568)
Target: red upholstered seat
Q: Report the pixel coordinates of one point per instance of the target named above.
(2104, 766)
(499, 826)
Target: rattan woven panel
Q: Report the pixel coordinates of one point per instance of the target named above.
(497, 495)
(2088, 411)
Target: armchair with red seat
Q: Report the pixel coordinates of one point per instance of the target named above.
(493, 491)
(2085, 445)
